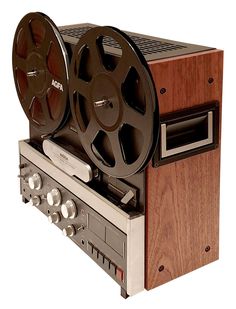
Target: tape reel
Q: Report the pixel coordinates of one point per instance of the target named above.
(40, 69)
(113, 103)
(112, 98)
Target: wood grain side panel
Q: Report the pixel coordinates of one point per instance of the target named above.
(182, 205)
(186, 80)
(183, 218)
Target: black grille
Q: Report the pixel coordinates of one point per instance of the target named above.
(75, 32)
(146, 45)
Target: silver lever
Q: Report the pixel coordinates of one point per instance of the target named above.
(32, 73)
(127, 197)
(101, 103)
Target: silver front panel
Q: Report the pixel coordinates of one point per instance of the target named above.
(109, 233)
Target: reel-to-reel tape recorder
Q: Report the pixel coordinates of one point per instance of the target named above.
(124, 147)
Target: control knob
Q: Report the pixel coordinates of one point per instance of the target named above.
(54, 218)
(69, 230)
(35, 200)
(35, 182)
(54, 197)
(69, 209)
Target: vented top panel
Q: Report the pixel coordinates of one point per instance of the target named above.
(151, 47)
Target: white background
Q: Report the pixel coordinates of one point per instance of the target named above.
(39, 268)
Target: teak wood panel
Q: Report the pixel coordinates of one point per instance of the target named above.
(182, 203)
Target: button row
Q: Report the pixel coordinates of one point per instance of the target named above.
(106, 262)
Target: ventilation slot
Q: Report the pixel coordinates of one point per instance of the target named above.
(147, 46)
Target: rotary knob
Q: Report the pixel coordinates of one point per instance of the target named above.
(54, 218)
(54, 197)
(35, 200)
(69, 231)
(69, 209)
(35, 182)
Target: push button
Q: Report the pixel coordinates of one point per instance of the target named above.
(119, 274)
(90, 248)
(95, 252)
(107, 263)
(101, 258)
(112, 269)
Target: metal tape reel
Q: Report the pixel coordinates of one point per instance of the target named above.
(113, 102)
(40, 69)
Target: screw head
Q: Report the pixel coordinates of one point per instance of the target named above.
(210, 80)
